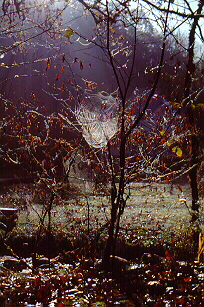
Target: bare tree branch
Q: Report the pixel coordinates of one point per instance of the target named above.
(192, 15)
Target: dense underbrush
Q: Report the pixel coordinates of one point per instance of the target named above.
(62, 271)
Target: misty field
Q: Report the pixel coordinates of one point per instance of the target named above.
(153, 210)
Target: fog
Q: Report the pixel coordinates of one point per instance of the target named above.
(72, 61)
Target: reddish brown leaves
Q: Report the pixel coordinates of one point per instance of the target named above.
(48, 64)
(81, 65)
(168, 255)
(132, 111)
(63, 87)
(57, 77)
(91, 85)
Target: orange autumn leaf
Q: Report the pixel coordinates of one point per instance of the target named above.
(168, 255)
(103, 106)
(132, 111)
(63, 87)
(57, 77)
(70, 97)
(90, 85)
(188, 279)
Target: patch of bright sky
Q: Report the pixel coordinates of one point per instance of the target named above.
(179, 25)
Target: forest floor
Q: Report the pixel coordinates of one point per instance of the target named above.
(155, 240)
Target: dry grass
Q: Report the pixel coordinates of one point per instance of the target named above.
(152, 211)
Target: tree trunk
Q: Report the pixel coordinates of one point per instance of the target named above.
(194, 137)
(193, 177)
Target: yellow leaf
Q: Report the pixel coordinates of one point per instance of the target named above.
(163, 132)
(177, 150)
(169, 143)
(69, 33)
(176, 104)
